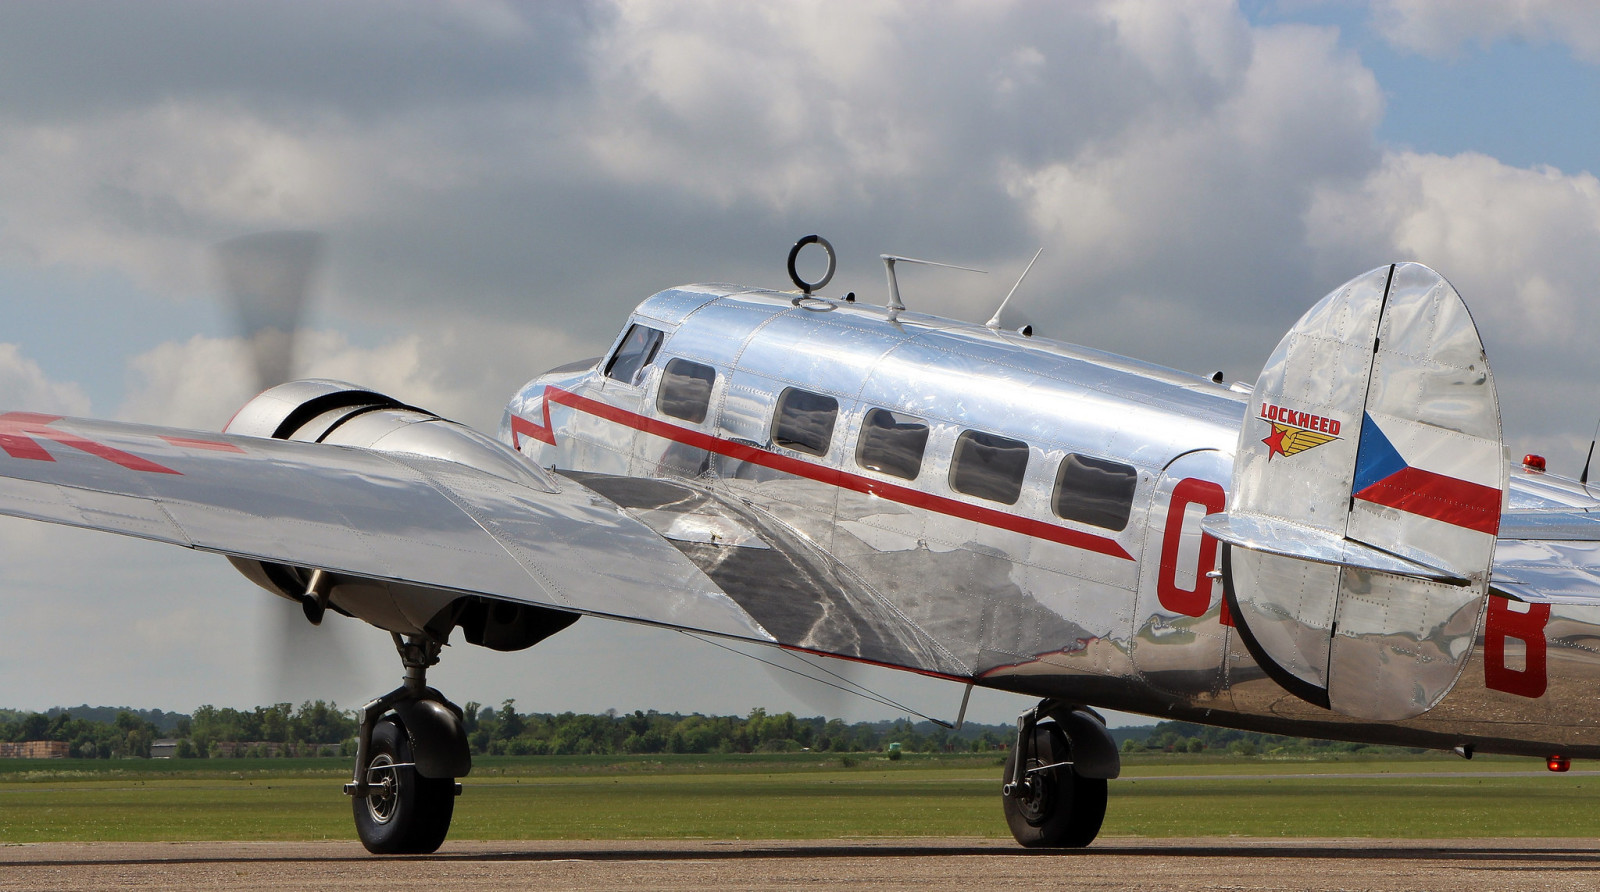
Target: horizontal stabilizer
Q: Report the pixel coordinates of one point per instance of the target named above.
(1272, 536)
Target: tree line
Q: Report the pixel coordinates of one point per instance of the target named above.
(320, 728)
(1186, 737)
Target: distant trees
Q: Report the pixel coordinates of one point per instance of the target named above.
(210, 731)
(315, 728)
(504, 731)
(125, 735)
(1185, 737)
(321, 728)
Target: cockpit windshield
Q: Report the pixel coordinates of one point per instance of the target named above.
(634, 354)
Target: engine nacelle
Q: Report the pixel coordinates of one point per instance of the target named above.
(326, 411)
(341, 414)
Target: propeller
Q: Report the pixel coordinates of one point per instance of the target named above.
(265, 277)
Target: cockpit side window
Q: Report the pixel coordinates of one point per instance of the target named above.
(634, 354)
(989, 466)
(804, 421)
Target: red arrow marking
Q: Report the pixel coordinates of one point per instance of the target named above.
(18, 430)
(522, 427)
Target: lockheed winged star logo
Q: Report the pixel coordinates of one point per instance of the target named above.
(1294, 432)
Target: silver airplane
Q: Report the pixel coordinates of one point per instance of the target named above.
(1343, 550)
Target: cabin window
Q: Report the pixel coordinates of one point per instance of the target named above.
(989, 466)
(804, 421)
(686, 390)
(634, 354)
(892, 444)
(1095, 491)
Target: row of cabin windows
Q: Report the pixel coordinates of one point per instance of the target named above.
(984, 465)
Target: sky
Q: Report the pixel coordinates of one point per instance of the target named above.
(499, 183)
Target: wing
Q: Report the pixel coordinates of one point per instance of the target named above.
(1549, 542)
(358, 512)
(670, 553)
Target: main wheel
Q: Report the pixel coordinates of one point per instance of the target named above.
(406, 813)
(1063, 809)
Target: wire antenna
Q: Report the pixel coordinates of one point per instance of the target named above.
(895, 305)
(861, 691)
(994, 321)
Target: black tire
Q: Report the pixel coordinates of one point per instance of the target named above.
(1065, 809)
(406, 814)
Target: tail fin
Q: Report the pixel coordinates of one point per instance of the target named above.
(1367, 492)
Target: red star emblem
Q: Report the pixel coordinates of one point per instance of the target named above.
(1274, 442)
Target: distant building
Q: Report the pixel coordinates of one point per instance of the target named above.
(165, 748)
(34, 749)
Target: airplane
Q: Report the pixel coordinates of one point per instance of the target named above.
(1342, 549)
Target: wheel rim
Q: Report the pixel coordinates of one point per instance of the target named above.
(384, 796)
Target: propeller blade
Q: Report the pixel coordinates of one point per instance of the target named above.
(266, 276)
(309, 662)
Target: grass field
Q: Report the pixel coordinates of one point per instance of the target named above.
(797, 796)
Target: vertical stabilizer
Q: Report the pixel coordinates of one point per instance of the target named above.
(1367, 493)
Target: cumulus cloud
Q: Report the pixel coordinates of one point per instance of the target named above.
(1442, 29)
(202, 381)
(24, 385)
(1523, 248)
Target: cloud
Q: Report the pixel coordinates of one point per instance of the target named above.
(24, 385)
(1442, 29)
(1523, 248)
(677, 142)
(462, 371)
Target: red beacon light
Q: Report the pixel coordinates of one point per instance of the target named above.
(1533, 464)
(1557, 763)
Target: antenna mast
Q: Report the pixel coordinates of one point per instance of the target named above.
(895, 305)
(1583, 478)
(994, 321)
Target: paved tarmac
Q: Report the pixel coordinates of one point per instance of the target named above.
(1182, 865)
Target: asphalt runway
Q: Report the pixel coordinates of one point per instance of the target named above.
(1322, 865)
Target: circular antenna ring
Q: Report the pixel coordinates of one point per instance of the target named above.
(794, 275)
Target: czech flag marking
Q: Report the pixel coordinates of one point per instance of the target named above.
(1384, 478)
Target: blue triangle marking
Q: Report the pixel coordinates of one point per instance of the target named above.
(1376, 457)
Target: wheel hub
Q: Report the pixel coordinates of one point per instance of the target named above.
(384, 797)
(1038, 795)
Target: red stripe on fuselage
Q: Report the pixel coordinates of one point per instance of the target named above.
(1454, 501)
(522, 427)
(903, 494)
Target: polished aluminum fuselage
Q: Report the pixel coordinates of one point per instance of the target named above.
(1012, 596)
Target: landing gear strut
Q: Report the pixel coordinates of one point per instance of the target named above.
(407, 761)
(1051, 798)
